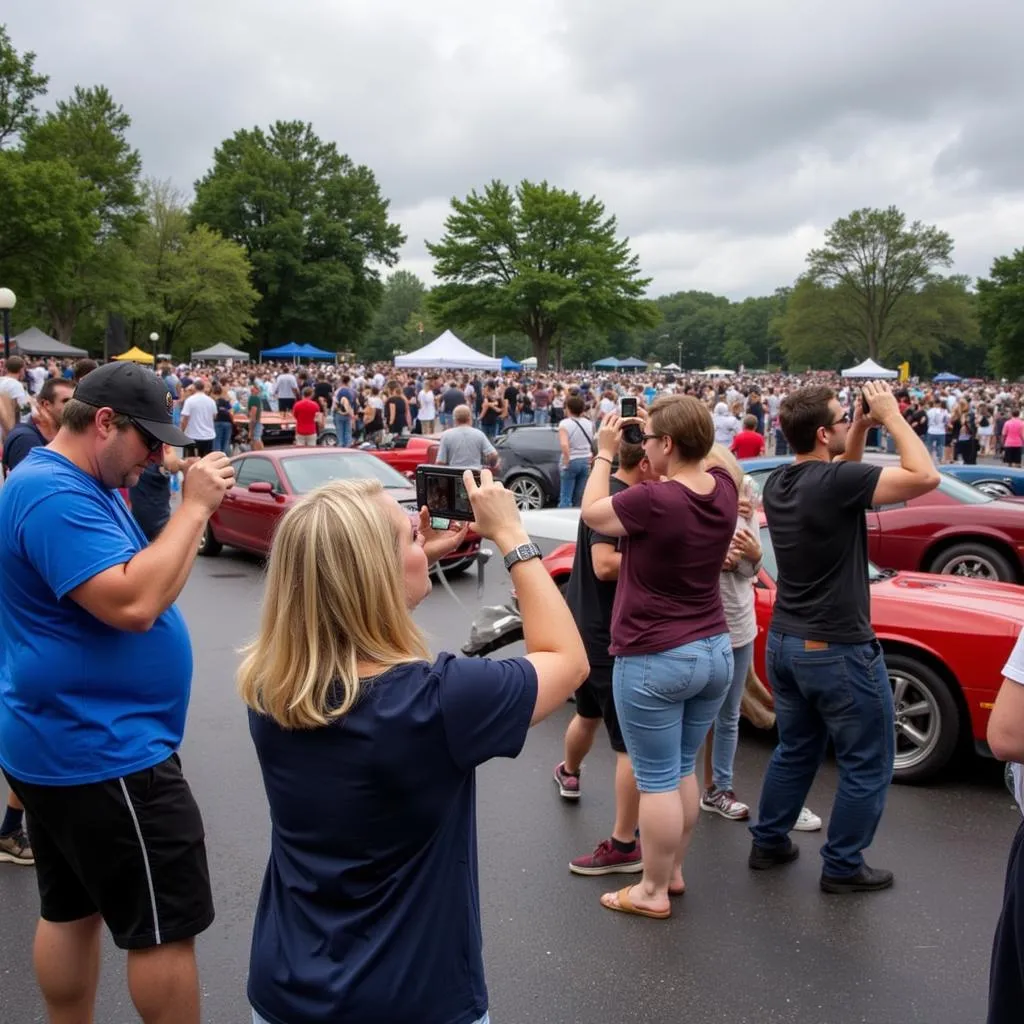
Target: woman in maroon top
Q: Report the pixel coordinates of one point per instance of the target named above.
(673, 657)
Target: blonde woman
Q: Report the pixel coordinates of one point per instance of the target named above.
(368, 746)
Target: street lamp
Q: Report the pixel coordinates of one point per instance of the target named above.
(7, 301)
(154, 338)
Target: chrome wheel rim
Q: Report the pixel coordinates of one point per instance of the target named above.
(996, 489)
(529, 496)
(328, 440)
(917, 719)
(976, 567)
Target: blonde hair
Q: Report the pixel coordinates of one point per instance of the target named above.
(721, 456)
(335, 596)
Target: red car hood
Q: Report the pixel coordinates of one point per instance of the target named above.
(968, 596)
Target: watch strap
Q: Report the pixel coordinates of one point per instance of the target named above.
(522, 553)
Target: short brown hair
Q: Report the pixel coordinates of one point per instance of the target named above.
(687, 421)
(575, 405)
(802, 413)
(84, 366)
(15, 364)
(630, 455)
(50, 385)
(78, 416)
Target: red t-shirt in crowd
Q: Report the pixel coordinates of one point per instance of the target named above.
(676, 541)
(305, 412)
(748, 444)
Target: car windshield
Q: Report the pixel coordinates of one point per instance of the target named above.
(770, 566)
(306, 472)
(964, 493)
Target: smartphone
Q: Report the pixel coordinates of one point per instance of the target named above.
(865, 407)
(627, 407)
(442, 490)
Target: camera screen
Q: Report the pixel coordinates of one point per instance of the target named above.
(628, 406)
(447, 494)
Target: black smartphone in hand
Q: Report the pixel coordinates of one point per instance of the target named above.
(442, 490)
(627, 407)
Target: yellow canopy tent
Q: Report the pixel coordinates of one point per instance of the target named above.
(135, 355)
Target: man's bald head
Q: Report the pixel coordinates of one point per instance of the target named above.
(463, 415)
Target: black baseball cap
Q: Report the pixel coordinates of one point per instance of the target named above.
(136, 392)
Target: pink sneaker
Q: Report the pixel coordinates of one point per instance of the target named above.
(606, 860)
(568, 785)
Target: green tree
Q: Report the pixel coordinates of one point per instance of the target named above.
(19, 87)
(538, 260)
(1001, 313)
(196, 283)
(396, 323)
(314, 226)
(875, 263)
(88, 133)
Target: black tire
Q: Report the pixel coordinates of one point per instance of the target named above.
(974, 559)
(528, 490)
(208, 544)
(922, 686)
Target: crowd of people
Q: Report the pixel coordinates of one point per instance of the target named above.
(367, 742)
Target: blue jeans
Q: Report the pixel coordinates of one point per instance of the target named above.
(542, 417)
(781, 444)
(525, 417)
(840, 692)
(222, 437)
(936, 444)
(573, 481)
(727, 724)
(490, 429)
(666, 703)
(343, 429)
(446, 419)
(257, 1019)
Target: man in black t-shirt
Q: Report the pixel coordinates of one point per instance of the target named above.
(591, 594)
(825, 666)
(511, 397)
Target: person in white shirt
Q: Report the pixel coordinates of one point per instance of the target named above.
(197, 418)
(726, 425)
(286, 388)
(15, 404)
(427, 411)
(1006, 740)
(935, 439)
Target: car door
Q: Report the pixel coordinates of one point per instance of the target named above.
(536, 448)
(248, 518)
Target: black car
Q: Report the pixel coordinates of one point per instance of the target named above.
(529, 464)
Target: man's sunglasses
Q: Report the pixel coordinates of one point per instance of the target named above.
(153, 444)
(845, 418)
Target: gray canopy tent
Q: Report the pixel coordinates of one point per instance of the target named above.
(34, 342)
(219, 351)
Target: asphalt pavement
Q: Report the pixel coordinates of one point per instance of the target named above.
(741, 948)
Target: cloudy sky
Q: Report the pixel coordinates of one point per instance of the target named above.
(724, 134)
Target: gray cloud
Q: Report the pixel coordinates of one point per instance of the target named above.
(724, 135)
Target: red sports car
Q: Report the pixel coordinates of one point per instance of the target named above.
(955, 530)
(268, 482)
(406, 453)
(945, 640)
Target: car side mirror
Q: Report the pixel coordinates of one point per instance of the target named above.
(261, 487)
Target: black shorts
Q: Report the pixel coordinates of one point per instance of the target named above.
(1011, 456)
(285, 404)
(594, 700)
(131, 849)
(199, 448)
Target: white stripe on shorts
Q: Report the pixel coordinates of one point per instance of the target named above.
(145, 860)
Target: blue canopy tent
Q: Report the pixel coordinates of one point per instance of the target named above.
(946, 378)
(289, 351)
(611, 363)
(316, 353)
(508, 363)
(632, 363)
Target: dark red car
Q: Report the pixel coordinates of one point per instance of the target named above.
(268, 482)
(945, 640)
(955, 530)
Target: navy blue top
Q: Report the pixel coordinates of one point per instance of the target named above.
(370, 907)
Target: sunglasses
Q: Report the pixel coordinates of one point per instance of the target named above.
(153, 444)
(651, 437)
(845, 418)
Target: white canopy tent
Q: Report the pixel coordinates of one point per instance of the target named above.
(870, 370)
(716, 371)
(670, 366)
(220, 351)
(447, 352)
(529, 363)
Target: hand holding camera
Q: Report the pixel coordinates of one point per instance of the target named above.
(880, 401)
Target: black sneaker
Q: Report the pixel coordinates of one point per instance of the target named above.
(763, 857)
(865, 880)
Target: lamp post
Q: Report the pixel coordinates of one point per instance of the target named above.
(7, 301)
(154, 338)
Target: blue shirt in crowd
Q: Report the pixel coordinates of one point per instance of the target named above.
(370, 906)
(83, 702)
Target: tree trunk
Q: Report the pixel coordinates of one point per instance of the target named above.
(541, 349)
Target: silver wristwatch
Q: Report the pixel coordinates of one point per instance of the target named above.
(522, 553)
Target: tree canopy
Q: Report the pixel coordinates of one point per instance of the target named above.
(20, 85)
(538, 260)
(314, 226)
(1001, 312)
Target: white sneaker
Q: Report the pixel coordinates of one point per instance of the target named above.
(807, 822)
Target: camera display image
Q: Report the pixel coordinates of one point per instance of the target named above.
(628, 407)
(442, 490)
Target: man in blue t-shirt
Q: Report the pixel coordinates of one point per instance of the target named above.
(95, 703)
